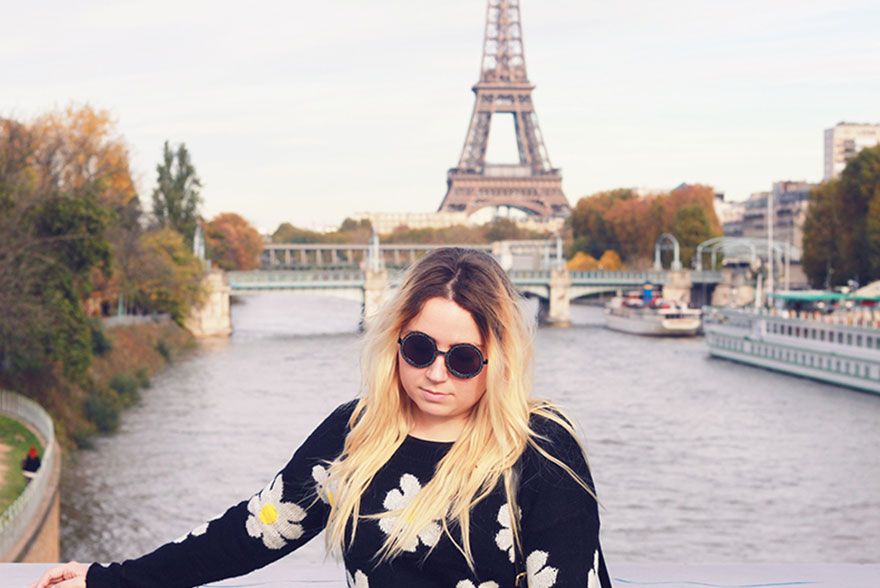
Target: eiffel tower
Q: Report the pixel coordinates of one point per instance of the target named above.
(532, 185)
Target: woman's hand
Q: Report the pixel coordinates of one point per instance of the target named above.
(70, 575)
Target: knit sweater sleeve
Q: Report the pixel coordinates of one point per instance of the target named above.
(559, 518)
(272, 523)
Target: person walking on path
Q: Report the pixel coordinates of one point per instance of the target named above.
(443, 472)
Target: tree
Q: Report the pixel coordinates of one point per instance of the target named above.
(233, 244)
(287, 233)
(859, 185)
(610, 261)
(52, 227)
(842, 231)
(691, 227)
(168, 274)
(821, 256)
(176, 198)
(592, 233)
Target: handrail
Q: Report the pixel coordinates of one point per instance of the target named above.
(18, 517)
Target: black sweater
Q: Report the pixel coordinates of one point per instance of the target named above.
(559, 521)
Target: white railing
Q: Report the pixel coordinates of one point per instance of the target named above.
(19, 516)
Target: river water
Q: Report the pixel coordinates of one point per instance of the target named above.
(696, 460)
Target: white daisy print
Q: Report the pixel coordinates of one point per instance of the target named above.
(399, 498)
(504, 538)
(359, 580)
(200, 530)
(274, 521)
(469, 584)
(540, 576)
(593, 575)
(320, 475)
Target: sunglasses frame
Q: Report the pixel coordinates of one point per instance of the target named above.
(445, 354)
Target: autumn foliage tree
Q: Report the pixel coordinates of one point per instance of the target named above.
(59, 180)
(623, 222)
(233, 244)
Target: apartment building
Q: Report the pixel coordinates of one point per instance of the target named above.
(844, 141)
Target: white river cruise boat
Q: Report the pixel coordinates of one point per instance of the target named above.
(841, 348)
(659, 317)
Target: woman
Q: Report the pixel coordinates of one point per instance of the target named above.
(443, 473)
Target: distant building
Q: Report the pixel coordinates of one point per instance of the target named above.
(790, 203)
(730, 215)
(386, 222)
(844, 141)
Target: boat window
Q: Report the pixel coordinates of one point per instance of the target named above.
(797, 331)
(858, 340)
(821, 335)
(869, 342)
(811, 361)
(840, 337)
(838, 365)
(789, 329)
(849, 338)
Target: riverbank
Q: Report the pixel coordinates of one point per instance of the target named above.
(125, 358)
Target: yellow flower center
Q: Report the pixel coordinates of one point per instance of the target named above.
(268, 514)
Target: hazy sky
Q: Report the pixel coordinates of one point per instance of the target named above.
(309, 111)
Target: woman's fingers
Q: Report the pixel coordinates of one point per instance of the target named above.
(70, 575)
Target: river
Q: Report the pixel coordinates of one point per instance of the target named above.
(696, 460)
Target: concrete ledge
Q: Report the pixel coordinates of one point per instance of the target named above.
(288, 573)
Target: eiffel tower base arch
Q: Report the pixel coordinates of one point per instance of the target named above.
(537, 195)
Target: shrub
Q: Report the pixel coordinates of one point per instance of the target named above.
(101, 343)
(126, 387)
(102, 408)
(164, 349)
(143, 377)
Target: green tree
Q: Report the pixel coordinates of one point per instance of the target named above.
(176, 198)
(691, 227)
(821, 256)
(858, 186)
(842, 231)
(168, 274)
(287, 233)
(52, 230)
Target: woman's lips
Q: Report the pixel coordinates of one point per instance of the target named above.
(431, 395)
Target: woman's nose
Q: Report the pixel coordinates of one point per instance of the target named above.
(437, 370)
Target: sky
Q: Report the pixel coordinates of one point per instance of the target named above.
(311, 111)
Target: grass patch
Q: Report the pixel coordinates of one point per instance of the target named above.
(19, 438)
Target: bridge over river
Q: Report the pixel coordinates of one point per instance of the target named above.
(366, 273)
(554, 288)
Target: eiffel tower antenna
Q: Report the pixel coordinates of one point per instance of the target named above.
(533, 184)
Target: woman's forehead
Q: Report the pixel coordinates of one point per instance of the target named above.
(445, 321)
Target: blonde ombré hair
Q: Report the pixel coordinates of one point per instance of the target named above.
(495, 434)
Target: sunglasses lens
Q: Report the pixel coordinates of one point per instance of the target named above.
(418, 349)
(464, 361)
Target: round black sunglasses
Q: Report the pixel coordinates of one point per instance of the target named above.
(463, 360)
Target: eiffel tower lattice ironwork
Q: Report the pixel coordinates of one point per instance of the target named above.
(532, 185)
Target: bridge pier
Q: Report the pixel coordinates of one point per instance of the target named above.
(678, 286)
(375, 286)
(212, 318)
(556, 309)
